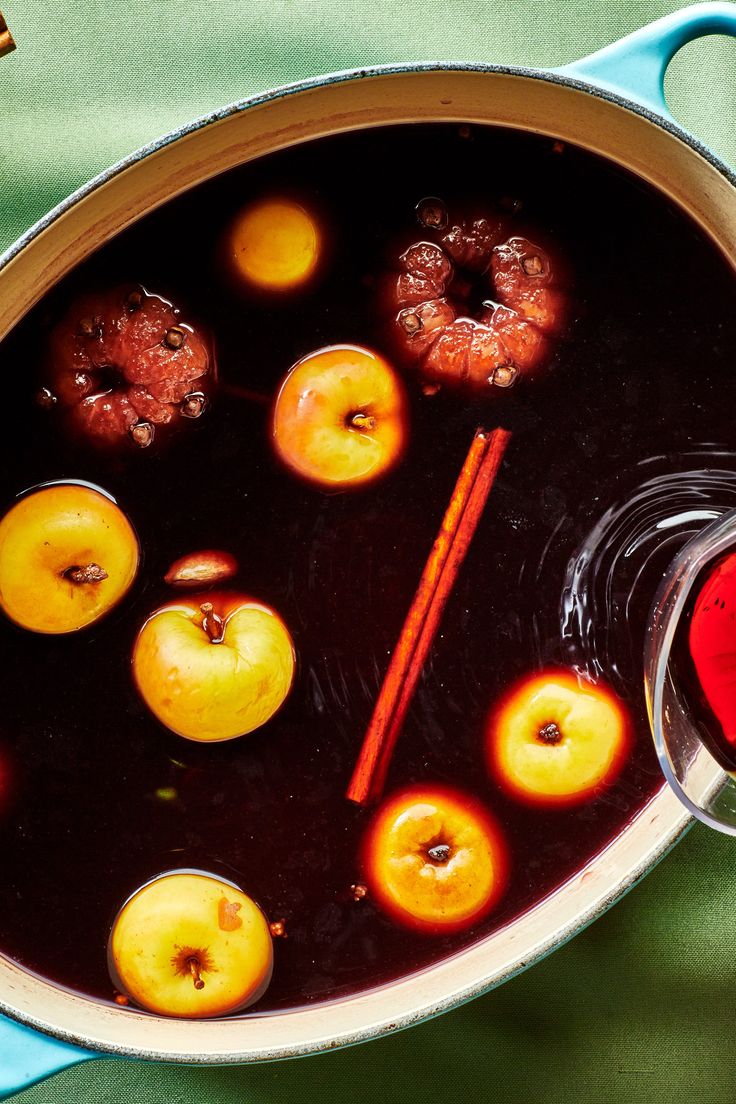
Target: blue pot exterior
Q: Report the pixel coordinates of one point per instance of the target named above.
(27, 1056)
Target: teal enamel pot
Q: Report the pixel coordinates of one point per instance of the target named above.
(611, 103)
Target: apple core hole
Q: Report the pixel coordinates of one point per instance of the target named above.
(108, 378)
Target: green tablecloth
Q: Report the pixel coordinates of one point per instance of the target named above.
(641, 1006)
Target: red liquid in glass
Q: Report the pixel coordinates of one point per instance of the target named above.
(712, 652)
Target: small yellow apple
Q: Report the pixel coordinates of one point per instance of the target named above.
(340, 417)
(434, 859)
(555, 738)
(192, 945)
(213, 667)
(274, 244)
(68, 554)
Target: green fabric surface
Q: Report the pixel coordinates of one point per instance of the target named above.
(641, 1006)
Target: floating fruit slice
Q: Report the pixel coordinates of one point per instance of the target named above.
(434, 859)
(213, 667)
(340, 418)
(554, 739)
(274, 244)
(68, 554)
(192, 945)
(201, 569)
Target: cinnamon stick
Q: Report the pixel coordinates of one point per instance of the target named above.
(435, 586)
(7, 43)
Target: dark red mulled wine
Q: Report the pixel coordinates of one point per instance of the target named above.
(613, 439)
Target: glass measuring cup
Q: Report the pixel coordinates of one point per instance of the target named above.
(699, 781)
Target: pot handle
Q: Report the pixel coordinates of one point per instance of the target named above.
(634, 67)
(7, 43)
(27, 1056)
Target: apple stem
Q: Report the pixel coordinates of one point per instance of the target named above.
(193, 965)
(90, 573)
(362, 421)
(212, 623)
